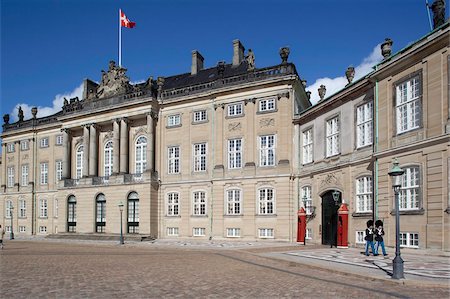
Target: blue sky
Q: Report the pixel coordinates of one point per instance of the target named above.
(49, 47)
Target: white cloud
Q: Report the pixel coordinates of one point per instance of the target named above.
(43, 110)
(333, 85)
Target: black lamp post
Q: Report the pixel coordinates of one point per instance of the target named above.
(306, 211)
(11, 236)
(121, 230)
(336, 195)
(396, 174)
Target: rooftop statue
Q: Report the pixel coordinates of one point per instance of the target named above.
(438, 9)
(20, 114)
(250, 60)
(114, 81)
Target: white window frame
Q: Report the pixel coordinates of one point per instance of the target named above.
(108, 152)
(140, 154)
(235, 153)
(55, 208)
(267, 150)
(235, 109)
(79, 161)
(408, 106)
(42, 229)
(173, 159)
(25, 175)
(409, 196)
(409, 239)
(43, 208)
(173, 204)
(266, 233)
(24, 145)
(11, 173)
(59, 139)
(44, 173)
(174, 120)
(172, 231)
(233, 202)
(58, 170)
(11, 147)
(199, 203)
(359, 237)
(266, 201)
(8, 209)
(307, 199)
(22, 208)
(44, 142)
(22, 228)
(332, 136)
(364, 194)
(198, 231)
(364, 125)
(309, 233)
(307, 146)
(200, 116)
(200, 155)
(265, 105)
(233, 232)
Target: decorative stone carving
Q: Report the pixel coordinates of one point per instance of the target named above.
(221, 105)
(221, 68)
(160, 83)
(252, 100)
(234, 126)
(109, 135)
(350, 74)
(114, 81)
(386, 47)
(438, 9)
(304, 83)
(266, 122)
(6, 119)
(250, 58)
(20, 113)
(283, 95)
(10, 159)
(284, 54)
(25, 157)
(330, 180)
(322, 91)
(34, 112)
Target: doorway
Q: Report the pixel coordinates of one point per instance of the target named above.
(329, 217)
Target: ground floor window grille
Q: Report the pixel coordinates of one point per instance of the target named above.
(409, 240)
(233, 232)
(42, 229)
(360, 237)
(172, 231)
(265, 233)
(199, 231)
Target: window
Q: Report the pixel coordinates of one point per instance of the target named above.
(8, 229)
(233, 232)
(235, 109)
(173, 154)
(43, 208)
(199, 203)
(234, 153)
(234, 202)
(267, 105)
(108, 163)
(200, 157)
(174, 120)
(11, 176)
(79, 162)
(364, 125)
(100, 213)
(42, 229)
(265, 233)
(409, 240)
(55, 208)
(307, 146)
(409, 191)
(173, 204)
(308, 235)
(133, 213)
(266, 201)
(172, 231)
(22, 208)
(200, 116)
(141, 154)
(44, 173)
(332, 137)
(364, 194)
(44, 142)
(24, 145)
(59, 170)
(267, 150)
(22, 229)
(9, 209)
(408, 105)
(10, 147)
(307, 199)
(25, 175)
(59, 139)
(71, 214)
(360, 235)
(199, 231)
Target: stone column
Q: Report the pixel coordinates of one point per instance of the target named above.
(150, 149)
(86, 150)
(32, 165)
(123, 145)
(296, 149)
(17, 171)
(67, 153)
(4, 174)
(93, 150)
(116, 140)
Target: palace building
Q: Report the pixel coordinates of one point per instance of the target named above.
(235, 151)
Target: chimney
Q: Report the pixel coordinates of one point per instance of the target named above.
(238, 52)
(197, 62)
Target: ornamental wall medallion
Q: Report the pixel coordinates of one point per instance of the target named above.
(266, 122)
(236, 126)
(330, 180)
(10, 159)
(109, 135)
(24, 157)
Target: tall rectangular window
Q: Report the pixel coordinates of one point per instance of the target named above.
(360, 235)
(174, 120)
(11, 176)
(409, 196)
(24, 145)
(10, 147)
(364, 124)
(8, 209)
(307, 199)
(267, 150)
(364, 194)
(173, 159)
(44, 142)
(44, 173)
(59, 139)
(59, 170)
(307, 146)
(235, 109)
(22, 208)
(25, 179)
(408, 105)
(266, 105)
(234, 153)
(266, 201)
(199, 203)
(200, 157)
(200, 116)
(173, 204)
(43, 208)
(234, 202)
(332, 133)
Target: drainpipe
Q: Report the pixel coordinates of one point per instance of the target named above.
(375, 176)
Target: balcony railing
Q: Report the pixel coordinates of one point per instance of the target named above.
(133, 178)
(100, 180)
(71, 182)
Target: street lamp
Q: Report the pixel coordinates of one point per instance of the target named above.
(121, 230)
(396, 174)
(336, 195)
(11, 236)
(306, 211)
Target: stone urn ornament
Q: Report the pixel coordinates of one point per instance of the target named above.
(308, 94)
(34, 111)
(322, 90)
(386, 47)
(6, 119)
(350, 74)
(284, 54)
(304, 83)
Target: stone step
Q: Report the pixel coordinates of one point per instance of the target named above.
(100, 237)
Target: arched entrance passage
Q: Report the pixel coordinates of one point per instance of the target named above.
(331, 201)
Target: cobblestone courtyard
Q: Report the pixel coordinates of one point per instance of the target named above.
(31, 269)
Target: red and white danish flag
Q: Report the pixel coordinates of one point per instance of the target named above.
(125, 22)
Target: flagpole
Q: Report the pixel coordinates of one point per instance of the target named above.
(120, 40)
(428, 13)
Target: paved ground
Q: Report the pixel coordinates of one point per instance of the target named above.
(44, 269)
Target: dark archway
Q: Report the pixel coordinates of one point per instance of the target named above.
(329, 217)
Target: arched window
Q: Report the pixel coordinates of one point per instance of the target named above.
(79, 162)
(141, 154)
(108, 158)
(71, 214)
(133, 213)
(100, 213)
